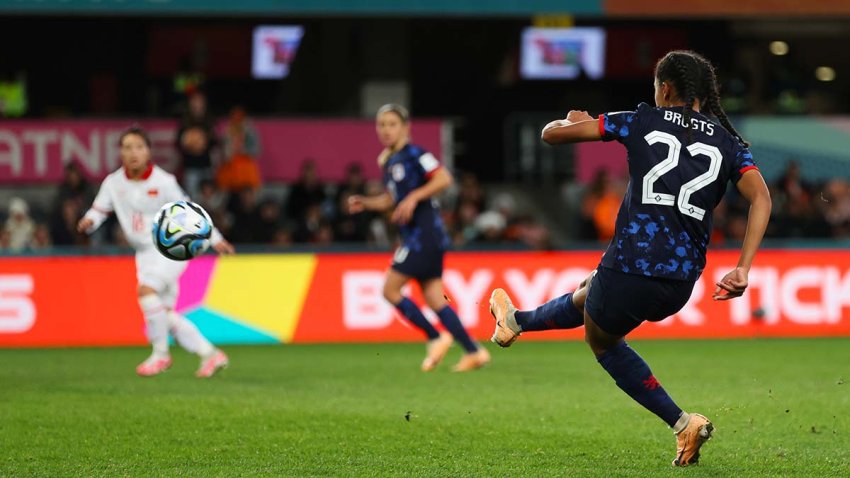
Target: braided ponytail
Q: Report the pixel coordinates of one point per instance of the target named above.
(716, 108)
(694, 79)
(687, 90)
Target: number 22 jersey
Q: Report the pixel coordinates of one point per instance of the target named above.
(677, 178)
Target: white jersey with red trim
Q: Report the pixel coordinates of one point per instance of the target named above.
(135, 202)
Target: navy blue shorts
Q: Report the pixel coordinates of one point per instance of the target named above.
(421, 265)
(618, 302)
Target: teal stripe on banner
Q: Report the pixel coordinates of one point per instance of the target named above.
(308, 7)
(221, 330)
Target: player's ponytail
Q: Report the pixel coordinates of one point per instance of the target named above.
(714, 107)
(693, 78)
(688, 92)
(681, 70)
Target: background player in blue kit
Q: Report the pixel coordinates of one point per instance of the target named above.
(679, 163)
(413, 177)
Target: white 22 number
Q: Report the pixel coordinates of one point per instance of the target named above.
(672, 160)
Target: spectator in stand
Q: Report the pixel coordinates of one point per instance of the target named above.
(533, 234)
(465, 230)
(246, 217)
(72, 197)
(599, 207)
(354, 185)
(308, 227)
(350, 227)
(325, 235)
(471, 190)
(241, 149)
(305, 193)
(796, 195)
(41, 238)
(836, 199)
(5, 240)
(214, 202)
(491, 226)
(796, 214)
(196, 141)
(282, 237)
(268, 222)
(74, 186)
(63, 224)
(19, 225)
(240, 135)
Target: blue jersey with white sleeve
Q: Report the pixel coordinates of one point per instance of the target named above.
(405, 170)
(677, 178)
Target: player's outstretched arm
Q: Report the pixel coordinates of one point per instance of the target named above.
(224, 247)
(577, 127)
(752, 187)
(100, 209)
(380, 203)
(439, 181)
(221, 245)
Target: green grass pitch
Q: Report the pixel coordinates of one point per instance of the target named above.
(541, 409)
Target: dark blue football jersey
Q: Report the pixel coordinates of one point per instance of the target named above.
(677, 177)
(407, 169)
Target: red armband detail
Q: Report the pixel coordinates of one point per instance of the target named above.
(433, 172)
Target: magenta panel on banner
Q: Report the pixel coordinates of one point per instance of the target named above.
(592, 157)
(36, 151)
(334, 144)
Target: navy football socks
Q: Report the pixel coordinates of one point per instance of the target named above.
(558, 313)
(635, 378)
(451, 322)
(414, 315)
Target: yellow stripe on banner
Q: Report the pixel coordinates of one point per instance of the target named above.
(265, 291)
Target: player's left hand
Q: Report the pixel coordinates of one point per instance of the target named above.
(404, 211)
(733, 283)
(224, 248)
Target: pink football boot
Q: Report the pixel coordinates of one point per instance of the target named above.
(153, 365)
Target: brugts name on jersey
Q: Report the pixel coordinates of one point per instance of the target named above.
(697, 124)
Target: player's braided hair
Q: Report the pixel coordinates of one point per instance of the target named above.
(693, 78)
(714, 107)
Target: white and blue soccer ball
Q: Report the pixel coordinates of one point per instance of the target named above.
(182, 230)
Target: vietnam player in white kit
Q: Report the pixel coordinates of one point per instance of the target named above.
(135, 193)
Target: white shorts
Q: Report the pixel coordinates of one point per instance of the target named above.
(160, 274)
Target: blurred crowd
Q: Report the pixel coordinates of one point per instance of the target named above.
(801, 209)
(219, 171)
(308, 211)
(313, 212)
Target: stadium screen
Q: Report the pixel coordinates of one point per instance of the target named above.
(562, 53)
(274, 50)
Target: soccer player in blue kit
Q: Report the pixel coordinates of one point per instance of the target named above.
(680, 160)
(413, 177)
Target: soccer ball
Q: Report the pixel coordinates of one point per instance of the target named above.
(182, 230)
